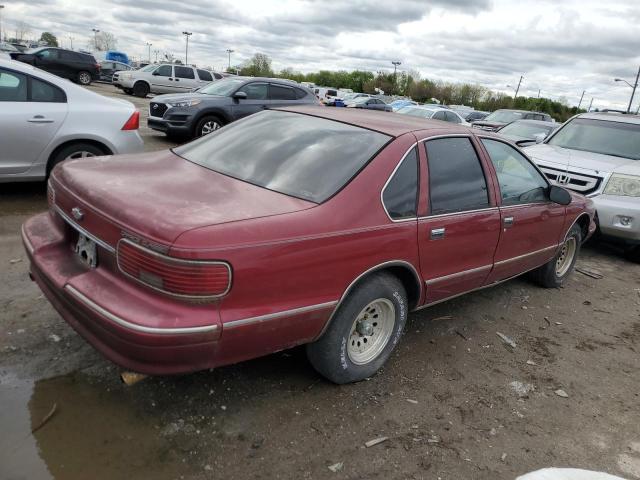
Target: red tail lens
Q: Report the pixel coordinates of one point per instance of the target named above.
(185, 278)
(133, 123)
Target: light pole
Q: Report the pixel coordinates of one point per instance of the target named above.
(186, 51)
(518, 87)
(581, 97)
(633, 92)
(149, 50)
(1, 7)
(395, 63)
(590, 104)
(95, 37)
(156, 52)
(71, 41)
(229, 51)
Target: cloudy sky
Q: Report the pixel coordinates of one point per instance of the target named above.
(561, 47)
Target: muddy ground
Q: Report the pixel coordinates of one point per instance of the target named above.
(454, 401)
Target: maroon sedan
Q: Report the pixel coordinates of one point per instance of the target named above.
(313, 226)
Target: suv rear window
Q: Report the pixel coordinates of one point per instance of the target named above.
(311, 158)
(204, 75)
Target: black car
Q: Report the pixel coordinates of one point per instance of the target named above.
(190, 115)
(79, 67)
(501, 117)
(109, 67)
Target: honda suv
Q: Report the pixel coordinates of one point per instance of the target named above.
(77, 66)
(163, 78)
(598, 155)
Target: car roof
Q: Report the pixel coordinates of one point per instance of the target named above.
(392, 124)
(612, 117)
(541, 123)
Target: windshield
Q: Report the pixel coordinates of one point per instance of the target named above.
(6, 47)
(503, 116)
(222, 88)
(148, 68)
(525, 130)
(416, 112)
(310, 158)
(600, 136)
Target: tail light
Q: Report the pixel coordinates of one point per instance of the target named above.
(51, 196)
(98, 66)
(133, 123)
(193, 279)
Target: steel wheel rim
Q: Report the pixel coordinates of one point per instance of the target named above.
(565, 257)
(80, 154)
(371, 331)
(209, 127)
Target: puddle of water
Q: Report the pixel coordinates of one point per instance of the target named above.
(94, 433)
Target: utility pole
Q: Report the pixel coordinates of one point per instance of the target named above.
(590, 104)
(186, 51)
(633, 92)
(71, 41)
(229, 52)
(538, 93)
(395, 78)
(581, 97)
(518, 87)
(1, 7)
(95, 37)
(149, 50)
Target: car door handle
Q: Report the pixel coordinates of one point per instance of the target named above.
(508, 222)
(177, 79)
(437, 233)
(40, 119)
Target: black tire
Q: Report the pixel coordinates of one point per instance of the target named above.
(207, 120)
(330, 354)
(71, 151)
(84, 78)
(128, 91)
(548, 275)
(140, 89)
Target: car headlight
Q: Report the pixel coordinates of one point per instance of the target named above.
(184, 103)
(620, 184)
(126, 76)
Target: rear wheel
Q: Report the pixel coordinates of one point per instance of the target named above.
(141, 89)
(128, 91)
(364, 331)
(557, 270)
(73, 151)
(208, 124)
(84, 78)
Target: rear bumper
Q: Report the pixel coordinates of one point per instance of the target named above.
(133, 328)
(619, 217)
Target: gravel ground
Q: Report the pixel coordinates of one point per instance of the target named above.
(454, 402)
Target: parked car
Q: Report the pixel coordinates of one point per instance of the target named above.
(79, 67)
(527, 132)
(398, 104)
(434, 112)
(474, 115)
(108, 68)
(20, 47)
(501, 117)
(246, 242)
(225, 101)
(163, 78)
(45, 120)
(598, 155)
(369, 103)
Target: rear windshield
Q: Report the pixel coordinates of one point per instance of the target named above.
(504, 116)
(298, 155)
(600, 136)
(526, 130)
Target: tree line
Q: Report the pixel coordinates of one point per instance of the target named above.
(410, 84)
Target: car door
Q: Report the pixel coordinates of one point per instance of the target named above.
(281, 95)
(257, 99)
(531, 223)
(452, 117)
(70, 64)
(439, 115)
(184, 78)
(458, 236)
(162, 80)
(49, 60)
(30, 116)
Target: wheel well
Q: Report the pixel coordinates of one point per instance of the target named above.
(409, 281)
(95, 143)
(141, 81)
(211, 113)
(584, 221)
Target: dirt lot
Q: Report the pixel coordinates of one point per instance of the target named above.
(447, 400)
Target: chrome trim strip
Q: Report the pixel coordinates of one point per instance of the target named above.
(132, 326)
(384, 187)
(26, 241)
(457, 274)
(175, 260)
(276, 315)
(465, 212)
(84, 232)
(519, 257)
(390, 263)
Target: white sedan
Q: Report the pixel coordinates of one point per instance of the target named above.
(434, 112)
(45, 119)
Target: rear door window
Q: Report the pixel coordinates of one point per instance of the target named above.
(184, 72)
(452, 117)
(400, 196)
(439, 115)
(205, 76)
(256, 91)
(456, 179)
(280, 92)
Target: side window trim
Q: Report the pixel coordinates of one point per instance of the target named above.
(487, 177)
(392, 174)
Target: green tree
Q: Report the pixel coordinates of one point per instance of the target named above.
(49, 38)
(258, 66)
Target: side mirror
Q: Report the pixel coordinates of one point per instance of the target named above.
(559, 195)
(539, 137)
(240, 95)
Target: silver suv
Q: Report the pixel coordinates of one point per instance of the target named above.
(598, 155)
(163, 78)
